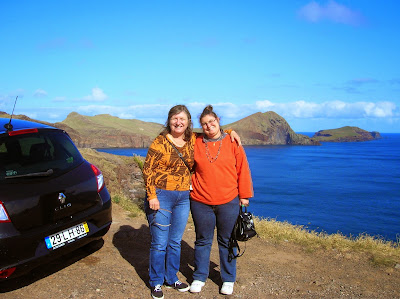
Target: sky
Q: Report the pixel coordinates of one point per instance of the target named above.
(319, 64)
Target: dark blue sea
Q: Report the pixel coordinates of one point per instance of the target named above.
(352, 188)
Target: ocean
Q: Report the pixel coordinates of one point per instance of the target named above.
(352, 188)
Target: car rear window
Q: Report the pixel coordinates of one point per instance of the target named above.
(44, 153)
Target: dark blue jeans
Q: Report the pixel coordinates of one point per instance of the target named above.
(206, 218)
(167, 226)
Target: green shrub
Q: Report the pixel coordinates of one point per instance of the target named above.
(139, 161)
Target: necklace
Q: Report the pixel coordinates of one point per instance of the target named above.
(206, 141)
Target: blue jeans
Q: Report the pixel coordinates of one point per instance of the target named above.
(167, 226)
(205, 219)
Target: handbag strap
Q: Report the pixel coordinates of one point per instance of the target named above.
(234, 243)
(179, 153)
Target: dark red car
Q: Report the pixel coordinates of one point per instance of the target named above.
(52, 200)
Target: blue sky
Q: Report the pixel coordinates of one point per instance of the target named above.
(319, 64)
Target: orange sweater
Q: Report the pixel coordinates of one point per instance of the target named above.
(221, 181)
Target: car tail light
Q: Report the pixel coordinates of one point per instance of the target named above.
(7, 272)
(99, 177)
(3, 214)
(20, 132)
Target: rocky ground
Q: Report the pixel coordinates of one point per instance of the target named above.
(116, 267)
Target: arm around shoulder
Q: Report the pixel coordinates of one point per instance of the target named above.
(245, 182)
(234, 136)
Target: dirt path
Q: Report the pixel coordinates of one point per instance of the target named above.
(117, 268)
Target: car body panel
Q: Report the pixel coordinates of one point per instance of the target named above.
(39, 199)
(40, 202)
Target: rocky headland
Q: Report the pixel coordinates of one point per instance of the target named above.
(268, 128)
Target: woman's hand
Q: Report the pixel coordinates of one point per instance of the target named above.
(154, 204)
(235, 136)
(244, 202)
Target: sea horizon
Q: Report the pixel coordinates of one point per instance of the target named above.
(350, 188)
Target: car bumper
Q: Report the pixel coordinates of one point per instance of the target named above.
(29, 250)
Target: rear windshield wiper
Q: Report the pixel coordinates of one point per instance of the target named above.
(33, 174)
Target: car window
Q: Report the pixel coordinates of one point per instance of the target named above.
(46, 152)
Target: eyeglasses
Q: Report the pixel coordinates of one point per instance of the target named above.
(209, 123)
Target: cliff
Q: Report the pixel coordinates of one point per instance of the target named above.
(104, 130)
(268, 128)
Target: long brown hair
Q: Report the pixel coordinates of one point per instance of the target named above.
(174, 111)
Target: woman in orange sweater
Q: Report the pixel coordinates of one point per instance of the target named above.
(221, 183)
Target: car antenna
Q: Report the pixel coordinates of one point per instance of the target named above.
(9, 126)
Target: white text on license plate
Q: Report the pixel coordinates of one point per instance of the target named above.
(67, 236)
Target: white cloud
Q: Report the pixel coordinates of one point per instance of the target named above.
(333, 109)
(382, 109)
(39, 93)
(230, 112)
(97, 95)
(33, 115)
(7, 101)
(54, 116)
(3, 101)
(143, 112)
(158, 112)
(226, 109)
(301, 115)
(331, 11)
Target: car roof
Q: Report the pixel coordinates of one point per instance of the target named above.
(19, 124)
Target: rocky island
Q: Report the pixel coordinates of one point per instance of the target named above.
(346, 134)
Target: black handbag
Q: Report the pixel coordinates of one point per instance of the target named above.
(243, 230)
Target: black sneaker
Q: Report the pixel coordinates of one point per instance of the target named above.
(178, 285)
(157, 293)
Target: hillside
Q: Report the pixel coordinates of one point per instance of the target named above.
(268, 128)
(23, 117)
(109, 131)
(345, 134)
(104, 130)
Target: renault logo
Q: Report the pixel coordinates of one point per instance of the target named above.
(61, 198)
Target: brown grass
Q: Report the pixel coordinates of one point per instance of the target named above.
(380, 251)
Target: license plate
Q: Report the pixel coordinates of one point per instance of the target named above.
(67, 236)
